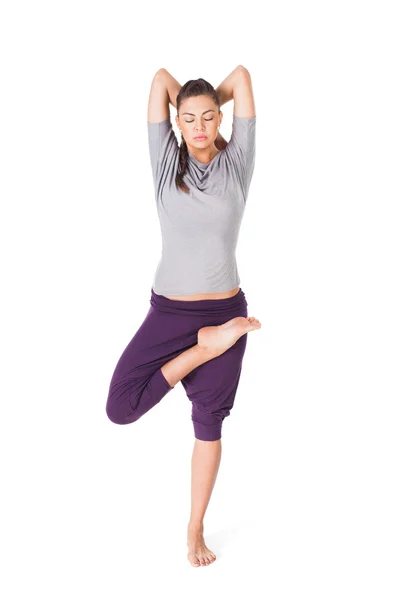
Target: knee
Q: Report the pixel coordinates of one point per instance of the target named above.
(114, 415)
(119, 410)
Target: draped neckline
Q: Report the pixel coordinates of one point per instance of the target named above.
(200, 164)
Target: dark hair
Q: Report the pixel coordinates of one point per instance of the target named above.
(193, 87)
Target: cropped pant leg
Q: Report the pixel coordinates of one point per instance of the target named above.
(212, 389)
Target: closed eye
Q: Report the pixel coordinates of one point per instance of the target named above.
(193, 120)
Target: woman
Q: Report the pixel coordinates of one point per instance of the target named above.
(196, 328)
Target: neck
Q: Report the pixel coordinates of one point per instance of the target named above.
(203, 156)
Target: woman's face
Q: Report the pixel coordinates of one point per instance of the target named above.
(198, 116)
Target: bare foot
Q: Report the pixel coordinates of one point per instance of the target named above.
(217, 339)
(199, 555)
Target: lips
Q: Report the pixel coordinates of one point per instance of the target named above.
(200, 137)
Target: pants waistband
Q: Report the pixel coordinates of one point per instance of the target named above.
(209, 306)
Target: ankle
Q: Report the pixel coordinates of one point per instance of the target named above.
(205, 353)
(195, 525)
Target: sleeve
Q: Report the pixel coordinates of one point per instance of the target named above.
(241, 149)
(163, 147)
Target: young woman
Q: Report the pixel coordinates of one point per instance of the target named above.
(196, 328)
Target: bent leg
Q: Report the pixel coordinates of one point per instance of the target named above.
(161, 352)
(133, 394)
(138, 383)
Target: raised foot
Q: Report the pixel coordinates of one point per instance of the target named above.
(199, 555)
(217, 339)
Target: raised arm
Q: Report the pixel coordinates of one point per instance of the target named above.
(163, 92)
(237, 87)
(241, 147)
(163, 144)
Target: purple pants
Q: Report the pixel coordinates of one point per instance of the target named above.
(170, 327)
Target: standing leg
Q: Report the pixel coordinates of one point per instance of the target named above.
(206, 459)
(212, 389)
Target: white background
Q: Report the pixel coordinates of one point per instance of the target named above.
(306, 503)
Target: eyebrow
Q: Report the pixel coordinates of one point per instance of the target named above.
(193, 115)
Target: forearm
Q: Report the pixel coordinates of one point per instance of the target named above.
(225, 89)
(225, 92)
(171, 85)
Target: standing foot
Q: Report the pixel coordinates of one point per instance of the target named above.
(199, 555)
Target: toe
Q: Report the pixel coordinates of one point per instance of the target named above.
(193, 559)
